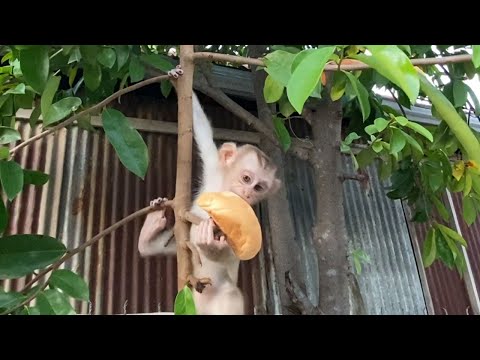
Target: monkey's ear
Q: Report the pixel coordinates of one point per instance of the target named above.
(275, 186)
(227, 153)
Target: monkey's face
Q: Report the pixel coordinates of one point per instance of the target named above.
(247, 178)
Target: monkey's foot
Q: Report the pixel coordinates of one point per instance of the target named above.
(158, 203)
(175, 73)
(198, 284)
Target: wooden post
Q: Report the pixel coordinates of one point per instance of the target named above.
(183, 198)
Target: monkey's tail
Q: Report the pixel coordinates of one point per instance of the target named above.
(203, 134)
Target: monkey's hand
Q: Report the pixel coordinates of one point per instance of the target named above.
(158, 203)
(210, 245)
(175, 72)
(155, 223)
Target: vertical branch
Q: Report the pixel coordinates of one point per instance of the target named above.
(329, 233)
(183, 187)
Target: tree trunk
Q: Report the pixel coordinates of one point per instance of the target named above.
(329, 232)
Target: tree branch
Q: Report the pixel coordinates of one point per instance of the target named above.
(221, 98)
(89, 110)
(92, 241)
(398, 103)
(183, 198)
(353, 64)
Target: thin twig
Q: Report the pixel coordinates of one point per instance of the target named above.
(398, 102)
(468, 101)
(353, 64)
(90, 110)
(27, 300)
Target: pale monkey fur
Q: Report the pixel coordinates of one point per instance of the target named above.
(244, 170)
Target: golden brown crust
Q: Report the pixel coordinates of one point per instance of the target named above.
(236, 218)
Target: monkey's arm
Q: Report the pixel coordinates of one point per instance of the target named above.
(154, 239)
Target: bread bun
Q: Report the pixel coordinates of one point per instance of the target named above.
(237, 220)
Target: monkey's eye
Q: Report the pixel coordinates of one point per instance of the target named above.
(258, 188)
(246, 178)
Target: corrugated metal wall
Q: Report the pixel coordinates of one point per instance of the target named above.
(375, 224)
(90, 190)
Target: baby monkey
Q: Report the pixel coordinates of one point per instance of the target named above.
(244, 170)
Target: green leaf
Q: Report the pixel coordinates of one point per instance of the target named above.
(10, 299)
(397, 141)
(377, 146)
(22, 254)
(412, 141)
(371, 129)
(72, 74)
(24, 101)
(61, 109)
(386, 168)
(358, 265)
(286, 109)
(122, 55)
(19, 89)
(442, 210)
(476, 103)
(11, 176)
(279, 65)
(460, 93)
(184, 303)
(4, 153)
(392, 63)
(3, 216)
(127, 142)
(443, 250)
(34, 177)
(92, 75)
(136, 69)
(447, 232)
(476, 55)
(282, 133)
(85, 122)
(157, 61)
(429, 249)
(476, 183)
(107, 57)
(339, 85)
(34, 116)
(89, 53)
(468, 184)
(365, 157)
(402, 120)
(166, 88)
(70, 283)
(35, 66)
(469, 212)
(8, 135)
(49, 93)
(351, 137)
(306, 76)
(75, 56)
(362, 94)
(272, 90)
(53, 302)
(420, 130)
(406, 49)
(380, 124)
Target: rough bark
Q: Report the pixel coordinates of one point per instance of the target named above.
(285, 253)
(329, 232)
(183, 187)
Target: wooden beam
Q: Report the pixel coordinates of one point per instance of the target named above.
(166, 127)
